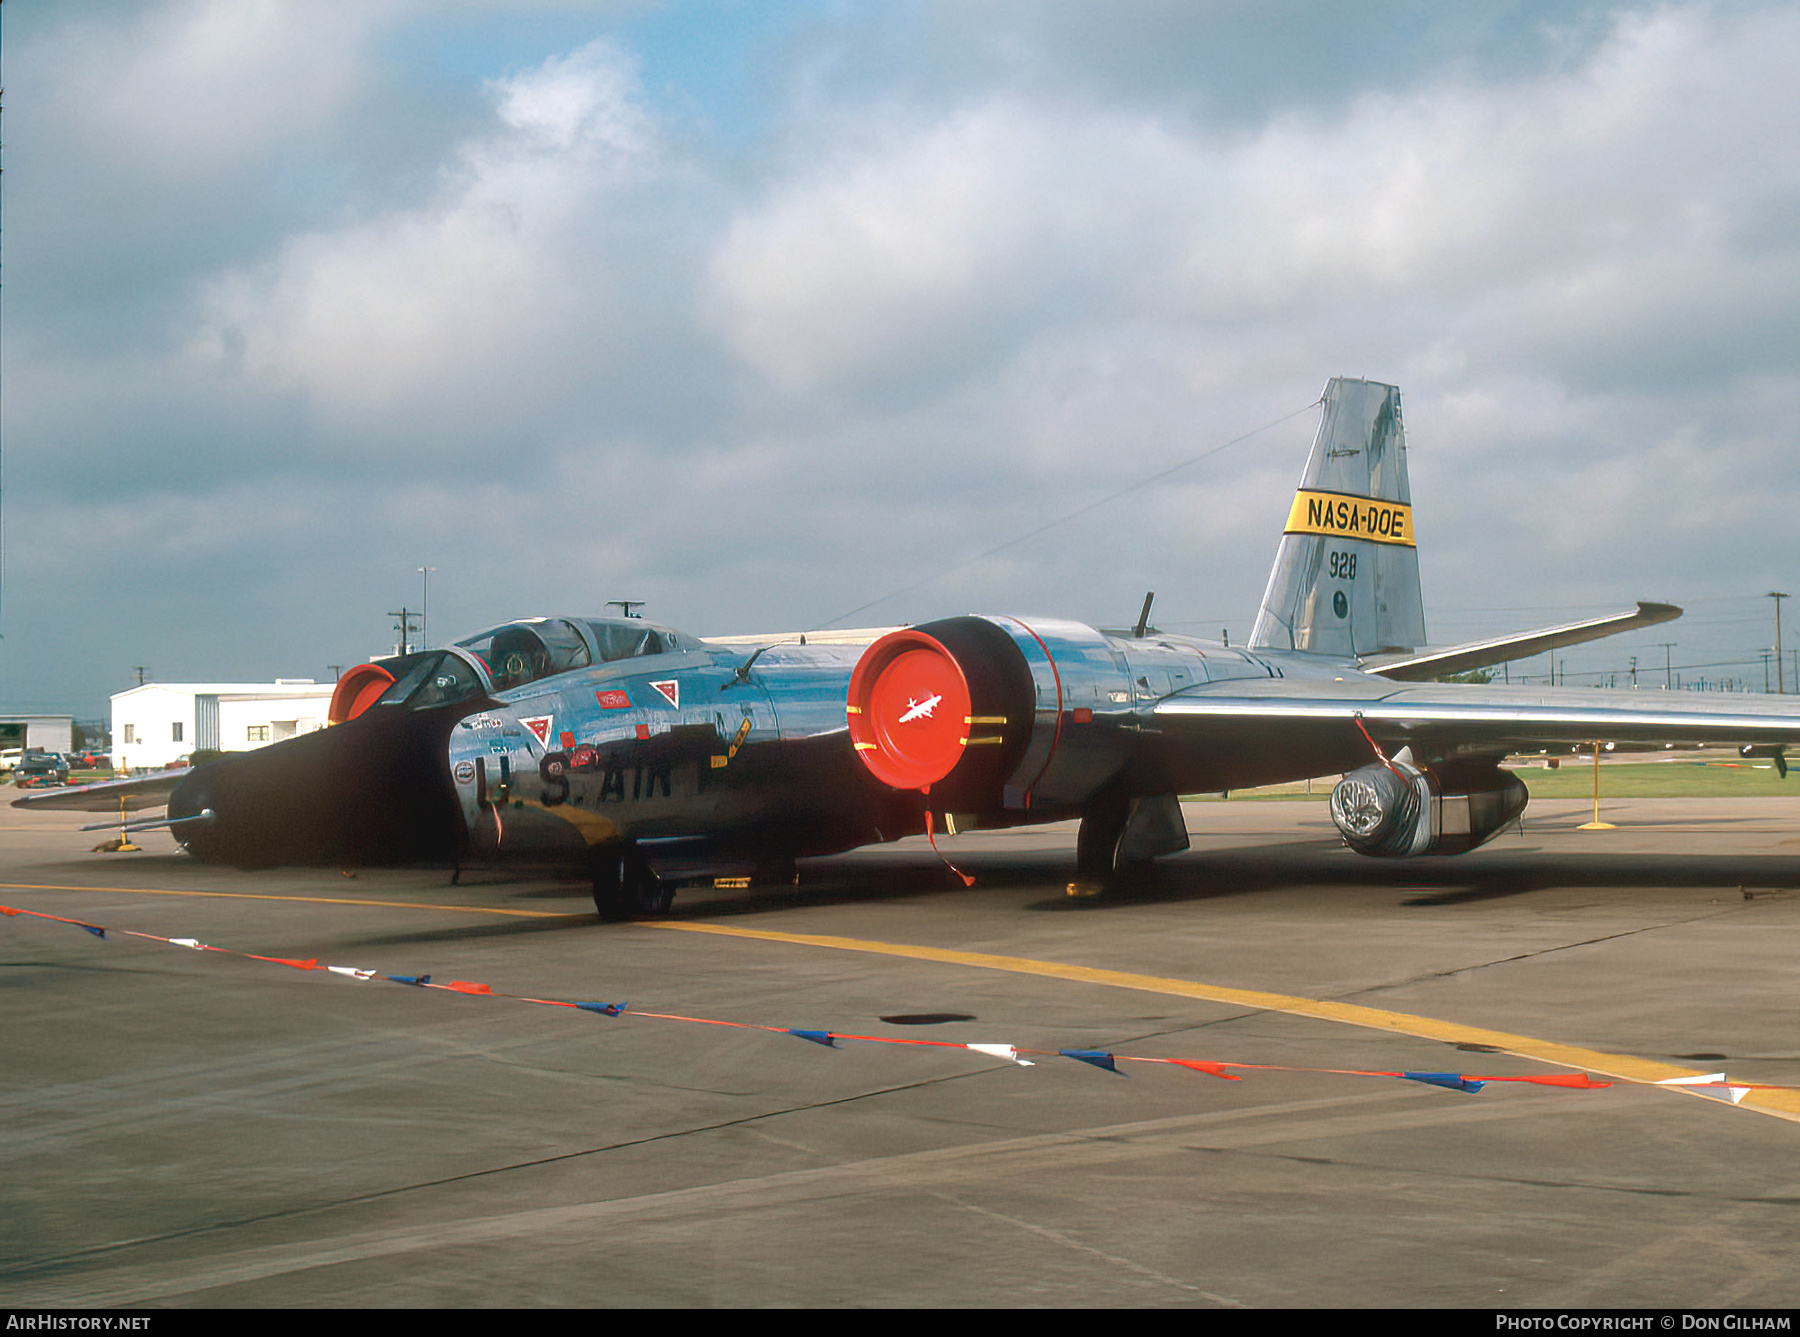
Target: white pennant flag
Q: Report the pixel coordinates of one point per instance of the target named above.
(1727, 1092)
(1006, 1052)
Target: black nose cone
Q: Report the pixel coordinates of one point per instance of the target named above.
(373, 790)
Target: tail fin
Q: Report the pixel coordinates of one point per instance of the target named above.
(1346, 577)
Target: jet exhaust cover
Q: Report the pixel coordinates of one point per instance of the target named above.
(1397, 810)
(908, 711)
(946, 702)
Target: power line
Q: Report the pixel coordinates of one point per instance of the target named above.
(1064, 519)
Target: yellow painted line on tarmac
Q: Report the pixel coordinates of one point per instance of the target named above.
(1626, 1067)
(307, 900)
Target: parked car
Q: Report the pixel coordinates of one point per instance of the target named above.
(37, 770)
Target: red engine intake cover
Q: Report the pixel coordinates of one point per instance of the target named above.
(357, 690)
(909, 709)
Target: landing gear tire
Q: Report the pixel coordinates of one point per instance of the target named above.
(1098, 866)
(626, 888)
(1097, 846)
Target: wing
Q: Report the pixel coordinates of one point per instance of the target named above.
(1519, 645)
(144, 791)
(1446, 719)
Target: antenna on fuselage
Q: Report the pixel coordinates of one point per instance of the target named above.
(743, 670)
(625, 606)
(1143, 622)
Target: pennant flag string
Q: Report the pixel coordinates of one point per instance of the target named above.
(1704, 1083)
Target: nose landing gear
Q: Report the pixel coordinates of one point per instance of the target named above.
(625, 887)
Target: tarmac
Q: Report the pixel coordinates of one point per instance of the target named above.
(200, 1128)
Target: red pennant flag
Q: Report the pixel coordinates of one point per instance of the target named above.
(312, 964)
(1580, 1081)
(1201, 1065)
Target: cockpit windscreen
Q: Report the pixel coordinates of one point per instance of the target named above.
(522, 652)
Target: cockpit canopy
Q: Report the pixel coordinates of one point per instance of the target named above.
(498, 660)
(524, 651)
(536, 647)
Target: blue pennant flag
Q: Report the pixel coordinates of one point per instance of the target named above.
(410, 979)
(817, 1037)
(95, 929)
(1455, 1081)
(1098, 1057)
(604, 1009)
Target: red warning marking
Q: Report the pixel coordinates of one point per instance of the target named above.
(613, 700)
(539, 726)
(671, 689)
(566, 739)
(643, 731)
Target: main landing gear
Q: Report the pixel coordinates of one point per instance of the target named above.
(625, 887)
(1120, 834)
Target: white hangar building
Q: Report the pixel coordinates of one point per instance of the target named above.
(44, 733)
(160, 722)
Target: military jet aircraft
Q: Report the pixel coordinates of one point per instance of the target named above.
(651, 758)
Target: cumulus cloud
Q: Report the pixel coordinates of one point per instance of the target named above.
(467, 304)
(182, 91)
(968, 270)
(1595, 196)
(1584, 246)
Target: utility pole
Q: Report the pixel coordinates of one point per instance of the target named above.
(1668, 670)
(1634, 673)
(140, 670)
(1778, 596)
(425, 612)
(404, 627)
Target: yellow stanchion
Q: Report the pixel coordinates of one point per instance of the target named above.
(1596, 824)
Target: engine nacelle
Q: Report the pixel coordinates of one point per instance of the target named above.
(1399, 810)
(990, 714)
(945, 707)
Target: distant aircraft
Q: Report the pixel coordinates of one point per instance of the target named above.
(651, 758)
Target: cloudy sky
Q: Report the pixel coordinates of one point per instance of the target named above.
(760, 312)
